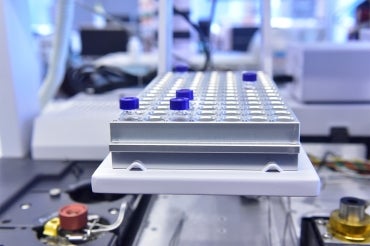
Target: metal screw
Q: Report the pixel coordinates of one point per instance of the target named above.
(25, 206)
(320, 222)
(113, 211)
(327, 235)
(55, 192)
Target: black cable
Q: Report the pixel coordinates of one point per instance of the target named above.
(99, 79)
(324, 160)
(202, 37)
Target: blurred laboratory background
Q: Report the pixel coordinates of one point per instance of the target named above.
(60, 92)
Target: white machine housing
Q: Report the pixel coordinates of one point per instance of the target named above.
(330, 73)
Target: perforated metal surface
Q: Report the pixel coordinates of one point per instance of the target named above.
(230, 124)
(218, 97)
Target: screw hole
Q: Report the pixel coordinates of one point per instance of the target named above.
(113, 211)
(25, 206)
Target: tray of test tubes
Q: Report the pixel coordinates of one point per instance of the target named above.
(206, 120)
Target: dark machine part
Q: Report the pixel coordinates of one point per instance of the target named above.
(36, 194)
(348, 225)
(338, 134)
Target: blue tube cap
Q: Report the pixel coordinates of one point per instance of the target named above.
(250, 76)
(187, 93)
(128, 103)
(181, 103)
(181, 68)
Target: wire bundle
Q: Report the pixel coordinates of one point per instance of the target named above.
(354, 168)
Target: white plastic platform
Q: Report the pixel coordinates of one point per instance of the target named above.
(303, 182)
